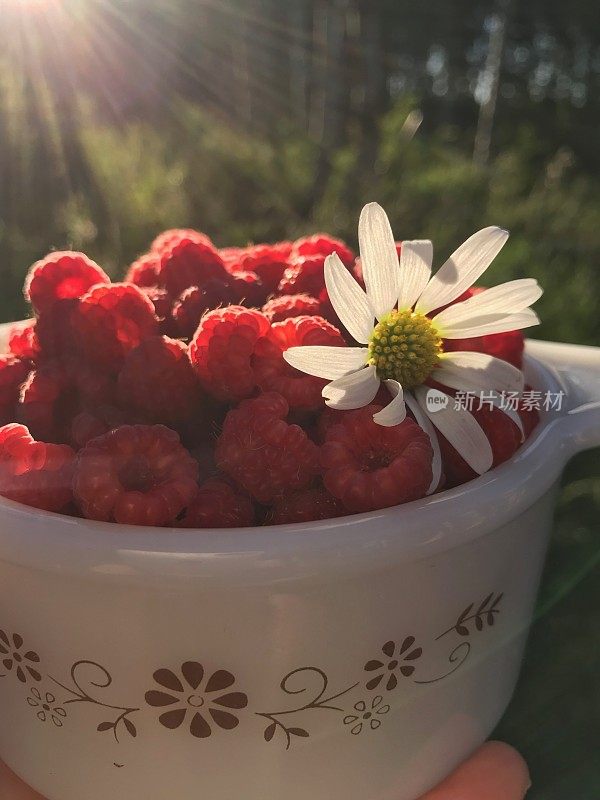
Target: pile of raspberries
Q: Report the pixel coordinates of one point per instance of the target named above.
(164, 400)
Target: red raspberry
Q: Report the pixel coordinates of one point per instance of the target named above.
(267, 262)
(222, 350)
(88, 425)
(135, 475)
(189, 307)
(329, 417)
(23, 341)
(217, 505)
(264, 454)
(273, 373)
(158, 381)
(40, 407)
(61, 276)
(305, 275)
(93, 386)
(34, 473)
(248, 289)
(144, 271)
(13, 372)
(167, 239)
(283, 249)
(305, 506)
(321, 244)
(503, 435)
(55, 329)
(291, 305)
(163, 308)
(237, 288)
(508, 346)
(57, 390)
(190, 263)
(112, 320)
(196, 301)
(232, 255)
(368, 466)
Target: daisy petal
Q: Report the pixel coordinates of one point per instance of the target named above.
(395, 412)
(424, 423)
(487, 324)
(478, 372)
(326, 362)
(463, 268)
(508, 298)
(462, 430)
(415, 270)
(379, 258)
(351, 304)
(352, 391)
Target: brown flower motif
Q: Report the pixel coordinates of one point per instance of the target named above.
(393, 663)
(205, 700)
(47, 708)
(13, 658)
(367, 715)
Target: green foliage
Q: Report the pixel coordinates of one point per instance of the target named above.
(240, 188)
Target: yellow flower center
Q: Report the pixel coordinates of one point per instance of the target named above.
(405, 346)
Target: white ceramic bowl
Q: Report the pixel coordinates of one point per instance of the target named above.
(358, 658)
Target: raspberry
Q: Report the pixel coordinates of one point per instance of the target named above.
(248, 288)
(88, 425)
(135, 475)
(13, 372)
(40, 407)
(222, 349)
(273, 373)
(34, 473)
(190, 263)
(158, 381)
(144, 271)
(55, 329)
(367, 466)
(503, 435)
(217, 505)
(508, 346)
(195, 301)
(291, 305)
(283, 249)
(163, 308)
(23, 341)
(167, 239)
(305, 275)
(267, 262)
(321, 244)
(112, 320)
(61, 276)
(57, 390)
(264, 454)
(188, 309)
(305, 506)
(232, 255)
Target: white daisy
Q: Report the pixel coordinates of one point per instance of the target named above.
(403, 347)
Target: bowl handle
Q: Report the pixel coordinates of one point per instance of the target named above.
(578, 368)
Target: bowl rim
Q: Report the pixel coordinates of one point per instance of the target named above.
(436, 523)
